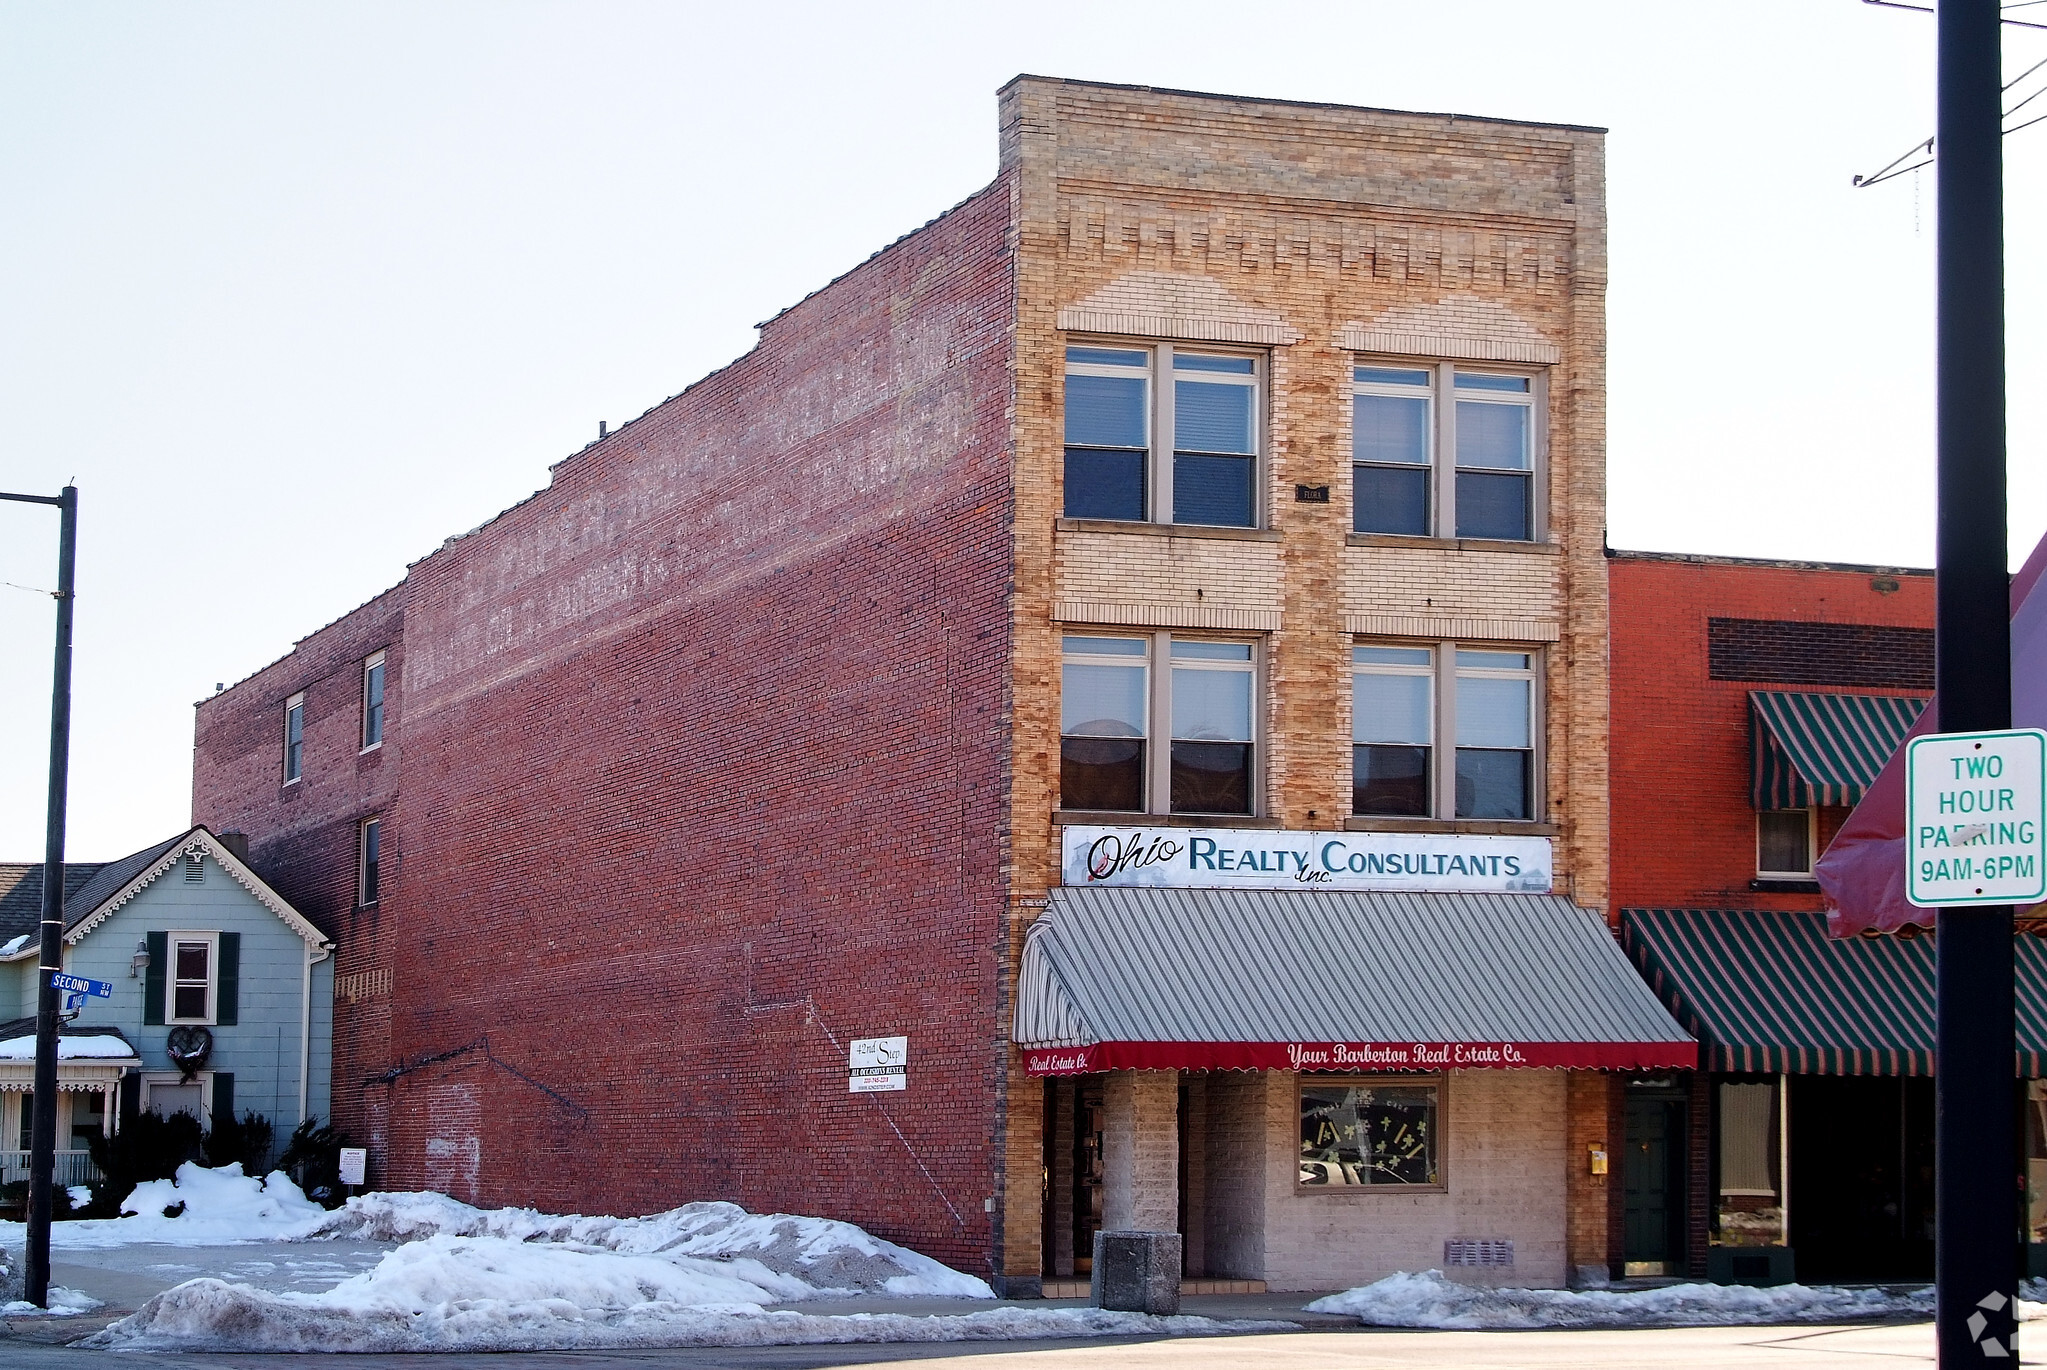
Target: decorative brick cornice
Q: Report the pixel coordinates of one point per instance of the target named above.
(1167, 616)
(1473, 629)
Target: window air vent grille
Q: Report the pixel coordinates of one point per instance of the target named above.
(195, 868)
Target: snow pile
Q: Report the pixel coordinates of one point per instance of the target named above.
(1429, 1300)
(221, 1207)
(64, 1303)
(821, 1255)
(492, 1293)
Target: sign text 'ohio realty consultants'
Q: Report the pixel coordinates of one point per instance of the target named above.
(1238, 858)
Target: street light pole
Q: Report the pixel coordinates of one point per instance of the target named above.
(43, 1136)
(1975, 1208)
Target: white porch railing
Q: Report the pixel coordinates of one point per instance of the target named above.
(73, 1167)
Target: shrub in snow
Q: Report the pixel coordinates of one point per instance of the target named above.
(244, 1142)
(149, 1146)
(312, 1157)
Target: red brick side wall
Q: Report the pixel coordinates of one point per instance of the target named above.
(303, 836)
(1683, 831)
(707, 776)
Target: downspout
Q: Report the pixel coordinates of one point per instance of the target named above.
(306, 1020)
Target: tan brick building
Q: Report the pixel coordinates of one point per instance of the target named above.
(1365, 263)
(1141, 638)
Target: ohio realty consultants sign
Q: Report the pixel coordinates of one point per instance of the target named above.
(1239, 858)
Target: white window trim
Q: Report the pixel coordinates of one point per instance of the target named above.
(204, 1079)
(295, 704)
(170, 978)
(370, 662)
(1442, 396)
(1443, 724)
(1161, 439)
(1811, 848)
(1158, 714)
(362, 861)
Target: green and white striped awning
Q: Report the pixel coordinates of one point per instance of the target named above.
(1772, 993)
(1814, 750)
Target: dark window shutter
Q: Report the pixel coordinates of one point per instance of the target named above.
(228, 989)
(223, 1097)
(131, 1097)
(153, 978)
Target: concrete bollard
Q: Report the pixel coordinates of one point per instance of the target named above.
(1136, 1272)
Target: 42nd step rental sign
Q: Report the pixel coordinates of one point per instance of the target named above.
(1974, 807)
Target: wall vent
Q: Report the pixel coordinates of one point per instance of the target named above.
(195, 868)
(1478, 1253)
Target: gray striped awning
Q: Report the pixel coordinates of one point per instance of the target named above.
(1147, 978)
(1813, 750)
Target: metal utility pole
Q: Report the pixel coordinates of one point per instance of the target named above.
(43, 1136)
(1976, 1212)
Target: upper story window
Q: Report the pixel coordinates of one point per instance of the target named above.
(373, 701)
(1403, 700)
(1184, 452)
(1784, 844)
(193, 976)
(1104, 720)
(368, 862)
(1112, 704)
(294, 737)
(1392, 730)
(1419, 468)
(1495, 734)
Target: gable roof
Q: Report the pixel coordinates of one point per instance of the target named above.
(21, 892)
(112, 884)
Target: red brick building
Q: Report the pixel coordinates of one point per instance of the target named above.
(1693, 638)
(1752, 703)
(1223, 485)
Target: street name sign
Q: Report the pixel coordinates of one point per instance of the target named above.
(876, 1065)
(78, 984)
(1974, 810)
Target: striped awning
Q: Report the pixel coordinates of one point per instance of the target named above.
(1771, 992)
(1814, 750)
(1148, 978)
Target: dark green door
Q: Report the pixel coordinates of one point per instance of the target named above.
(1652, 1177)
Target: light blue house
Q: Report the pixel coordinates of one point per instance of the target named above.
(222, 1003)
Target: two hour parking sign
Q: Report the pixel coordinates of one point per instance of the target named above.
(1974, 809)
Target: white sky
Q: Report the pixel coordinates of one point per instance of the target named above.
(297, 291)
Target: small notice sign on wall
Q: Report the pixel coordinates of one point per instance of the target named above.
(877, 1064)
(355, 1162)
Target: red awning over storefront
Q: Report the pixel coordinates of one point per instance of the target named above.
(1195, 979)
(1863, 871)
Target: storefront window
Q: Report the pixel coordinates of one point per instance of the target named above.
(1749, 1195)
(1369, 1133)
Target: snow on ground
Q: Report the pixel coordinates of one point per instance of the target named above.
(64, 1303)
(1430, 1300)
(824, 1256)
(222, 1207)
(492, 1293)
